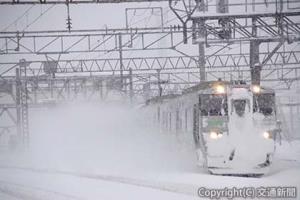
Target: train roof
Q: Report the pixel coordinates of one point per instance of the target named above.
(206, 87)
(159, 99)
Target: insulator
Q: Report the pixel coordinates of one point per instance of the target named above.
(69, 24)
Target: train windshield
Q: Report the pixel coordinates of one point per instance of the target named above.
(239, 106)
(265, 104)
(213, 105)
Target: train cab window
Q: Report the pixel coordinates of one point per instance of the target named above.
(265, 104)
(213, 105)
(239, 106)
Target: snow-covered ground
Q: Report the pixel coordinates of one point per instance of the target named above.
(109, 152)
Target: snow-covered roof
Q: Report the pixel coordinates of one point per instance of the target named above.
(206, 87)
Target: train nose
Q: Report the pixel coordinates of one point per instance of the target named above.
(253, 151)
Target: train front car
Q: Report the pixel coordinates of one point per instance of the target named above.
(237, 129)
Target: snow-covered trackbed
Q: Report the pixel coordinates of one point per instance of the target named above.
(25, 192)
(36, 193)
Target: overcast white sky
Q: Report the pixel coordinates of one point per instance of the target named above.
(99, 16)
(84, 16)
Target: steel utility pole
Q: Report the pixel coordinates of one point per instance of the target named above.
(22, 103)
(255, 66)
(121, 60)
(201, 45)
(130, 85)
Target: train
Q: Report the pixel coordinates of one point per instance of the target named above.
(233, 125)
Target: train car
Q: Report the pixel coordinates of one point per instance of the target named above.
(234, 125)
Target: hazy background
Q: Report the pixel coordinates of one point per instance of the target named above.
(105, 138)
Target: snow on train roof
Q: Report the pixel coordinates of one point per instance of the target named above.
(159, 99)
(205, 88)
(207, 85)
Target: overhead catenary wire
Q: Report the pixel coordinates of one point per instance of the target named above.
(37, 18)
(143, 19)
(31, 23)
(17, 19)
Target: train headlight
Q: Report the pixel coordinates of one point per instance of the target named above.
(267, 135)
(214, 135)
(256, 89)
(220, 135)
(220, 89)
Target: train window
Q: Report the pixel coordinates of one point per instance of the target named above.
(265, 104)
(213, 105)
(239, 106)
